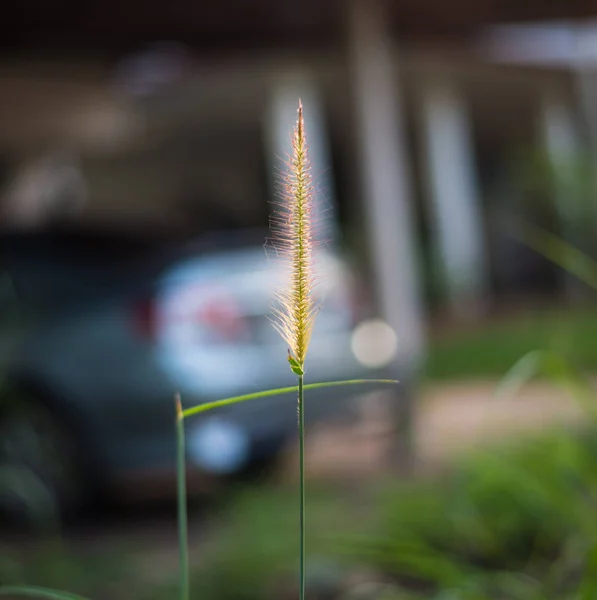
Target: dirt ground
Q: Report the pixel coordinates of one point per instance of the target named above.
(456, 417)
(449, 419)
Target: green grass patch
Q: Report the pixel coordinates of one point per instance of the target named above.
(55, 564)
(492, 350)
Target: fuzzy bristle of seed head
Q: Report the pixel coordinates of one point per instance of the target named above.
(293, 238)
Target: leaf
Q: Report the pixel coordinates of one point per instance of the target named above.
(297, 370)
(519, 375)
(38, 592)
(556, 369)
(194, 410)
(295, 366)
(560, 252)
(588, 585)
(29, 488)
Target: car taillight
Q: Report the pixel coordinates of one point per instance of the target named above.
(222, 320)
(204, 314)
(144, 318)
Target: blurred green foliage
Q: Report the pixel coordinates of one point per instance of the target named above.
(490, 351)
(54, 563)
(513, 522)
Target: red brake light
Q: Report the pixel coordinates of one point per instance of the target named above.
(144, 318)
(222, 317)
(209, 314)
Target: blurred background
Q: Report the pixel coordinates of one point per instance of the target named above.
(141, 151)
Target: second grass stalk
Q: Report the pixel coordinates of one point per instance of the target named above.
(183, 545)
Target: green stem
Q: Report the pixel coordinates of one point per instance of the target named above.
(301, 427)
(183, 545)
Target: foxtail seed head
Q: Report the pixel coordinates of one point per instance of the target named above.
(293, 237)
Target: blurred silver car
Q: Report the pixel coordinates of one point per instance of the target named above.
(114, 325)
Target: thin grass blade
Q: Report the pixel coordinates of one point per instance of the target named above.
(26, 591)
(183, 545)
(560, 252)
(194, 410)
(522, 372)
(588, 584)
(558, 371)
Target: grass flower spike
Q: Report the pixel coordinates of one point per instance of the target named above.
(296, 312)
(295, 315)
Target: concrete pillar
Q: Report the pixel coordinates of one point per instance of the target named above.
(280, 120)
(452, 185)
(385, 178)
(386, 194)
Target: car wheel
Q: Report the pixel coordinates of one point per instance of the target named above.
(39, 474)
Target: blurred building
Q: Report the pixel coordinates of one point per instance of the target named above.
(169, 115)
